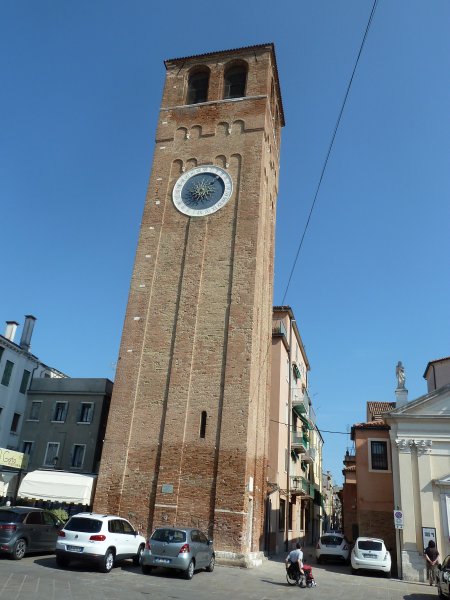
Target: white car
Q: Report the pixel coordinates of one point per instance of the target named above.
(371, 554)
(332, 546)
(99, 539)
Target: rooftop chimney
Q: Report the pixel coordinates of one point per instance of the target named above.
(11, 328)
(27, 331)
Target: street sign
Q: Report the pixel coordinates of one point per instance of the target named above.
(398, 519)
(15, 460)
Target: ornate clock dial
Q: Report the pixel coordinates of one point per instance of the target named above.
(202, 191)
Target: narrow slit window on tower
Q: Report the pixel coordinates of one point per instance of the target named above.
(203, 424)
(234, 84)
(198, 87)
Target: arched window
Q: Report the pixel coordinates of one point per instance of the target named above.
(235, 80)
(198, 87)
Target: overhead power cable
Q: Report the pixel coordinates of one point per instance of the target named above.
(319, 430)
(330, 147)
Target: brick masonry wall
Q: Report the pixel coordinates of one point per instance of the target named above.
(379, 524)
(197, 330)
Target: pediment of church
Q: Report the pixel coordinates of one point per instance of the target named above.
(433, 404)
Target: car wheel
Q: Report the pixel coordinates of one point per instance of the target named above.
(62, 561)
(137, 559)
(146, 569)
(108, 561)
(354, 571)
(189, 573)
(212, 562)
(20, 547)
(388, 574)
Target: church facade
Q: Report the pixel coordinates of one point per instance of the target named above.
(187, 435)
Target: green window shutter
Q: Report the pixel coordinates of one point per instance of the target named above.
(24, 382)
(7, 373)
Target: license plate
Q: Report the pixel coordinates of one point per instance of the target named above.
(74, 548)
(163, 561)
(369, 555)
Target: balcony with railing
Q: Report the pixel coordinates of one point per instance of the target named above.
(301, 404)
(279, 328)
(299, 441)
(301, 486)
(312, 414)
(310, 456)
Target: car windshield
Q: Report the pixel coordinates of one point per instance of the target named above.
(84, 525)
(9, 516)
(331, 540)
(170, 536)
(370, 545)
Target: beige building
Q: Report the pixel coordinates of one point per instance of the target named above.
(420, 441)
(437, 373)
(332, 510)
(294, 504)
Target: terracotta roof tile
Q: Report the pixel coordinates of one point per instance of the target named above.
(380, 425)
(371, 425)
(375, 409)
(380, 406)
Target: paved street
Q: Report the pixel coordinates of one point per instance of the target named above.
(38, 578)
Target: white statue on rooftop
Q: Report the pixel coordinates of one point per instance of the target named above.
(400, 373)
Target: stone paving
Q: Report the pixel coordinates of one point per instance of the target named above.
(38, 578)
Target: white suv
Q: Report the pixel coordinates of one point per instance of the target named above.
(97, 538)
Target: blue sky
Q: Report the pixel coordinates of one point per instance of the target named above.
(81, 86)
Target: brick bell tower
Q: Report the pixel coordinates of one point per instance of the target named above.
(186, 441)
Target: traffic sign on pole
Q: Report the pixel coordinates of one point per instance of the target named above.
(398, 519)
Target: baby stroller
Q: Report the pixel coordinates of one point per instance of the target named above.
(303, 578)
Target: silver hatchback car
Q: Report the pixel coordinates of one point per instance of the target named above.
(183, 548)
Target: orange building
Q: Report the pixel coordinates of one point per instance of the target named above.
(367, 495)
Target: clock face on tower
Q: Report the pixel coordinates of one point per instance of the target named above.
(202, 191)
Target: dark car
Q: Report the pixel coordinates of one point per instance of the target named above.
(443, 579)
(185, 549)
(24, 529)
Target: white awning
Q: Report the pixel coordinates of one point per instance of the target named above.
(58, 486)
